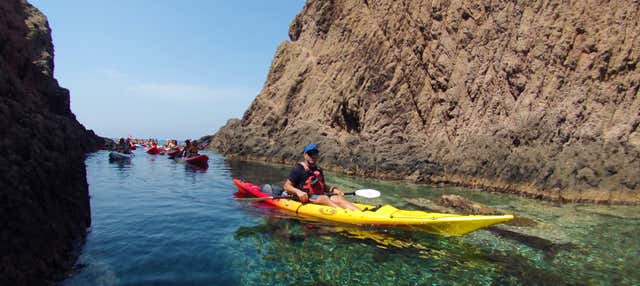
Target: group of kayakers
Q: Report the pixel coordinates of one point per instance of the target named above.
(124, 146)
(305, 182)
(136, 141)
(171, 146)
(188, 153)
(173, 149)
(190, 148)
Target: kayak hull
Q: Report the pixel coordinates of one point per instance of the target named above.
(117, 156)
(174, 153)
(387, 215)
(153, 150)
(199, 160)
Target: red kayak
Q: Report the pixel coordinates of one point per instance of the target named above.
(198, 160)
(174, 153)
(153, 150)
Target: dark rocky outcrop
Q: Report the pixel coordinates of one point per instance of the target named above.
(540, 98)
(44, 201)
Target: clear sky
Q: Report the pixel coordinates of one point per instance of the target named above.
(164, 68)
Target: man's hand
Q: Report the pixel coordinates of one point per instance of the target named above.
(338, 192)
(302, 196)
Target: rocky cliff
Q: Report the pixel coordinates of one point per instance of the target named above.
(44, 202)
(539, 98)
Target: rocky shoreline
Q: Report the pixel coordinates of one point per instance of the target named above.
(540, 99)
(44, 198)
(527, 191)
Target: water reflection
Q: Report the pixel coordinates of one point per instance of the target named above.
(122, 167)
(544, 249)
(191, 231)
(120, 164)
(258, 173)
(354, 254)
(195, 169)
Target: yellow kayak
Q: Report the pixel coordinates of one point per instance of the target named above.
(387, 215)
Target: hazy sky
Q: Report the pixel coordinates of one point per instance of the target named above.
(161, 68)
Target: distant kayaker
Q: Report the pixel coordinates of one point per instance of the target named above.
(190, 149)
(129, 145)
(173, 144)
(168, 145)
(193, 149)
(187, 145)
(123, 147)
(306, 181)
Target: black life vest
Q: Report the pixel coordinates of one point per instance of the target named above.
(314, 184)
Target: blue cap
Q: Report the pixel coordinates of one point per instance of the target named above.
(310, 148)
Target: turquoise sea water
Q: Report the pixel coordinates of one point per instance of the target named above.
(159, 222)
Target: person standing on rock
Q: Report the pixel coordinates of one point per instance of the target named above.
(306, 181)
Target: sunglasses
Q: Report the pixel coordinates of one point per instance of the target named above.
(313, 153)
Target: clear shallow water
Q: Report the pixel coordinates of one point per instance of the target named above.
(159, 222)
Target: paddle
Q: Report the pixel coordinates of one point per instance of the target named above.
(366, 193)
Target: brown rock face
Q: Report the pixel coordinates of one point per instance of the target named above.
(44, 202)
(535, 97)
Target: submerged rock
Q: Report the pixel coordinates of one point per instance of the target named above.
(521, 222)
(44, 200)
(520, 229)
(524, 97)
(550, 248)
(465, 206)
(428, 205)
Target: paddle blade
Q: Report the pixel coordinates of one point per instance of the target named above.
(368, 193)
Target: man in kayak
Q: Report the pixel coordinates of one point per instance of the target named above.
(129, 145)
(173, 144)
(185, 150)
(123, 147)
(193, 149)
(190, 148)
(306, 181)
